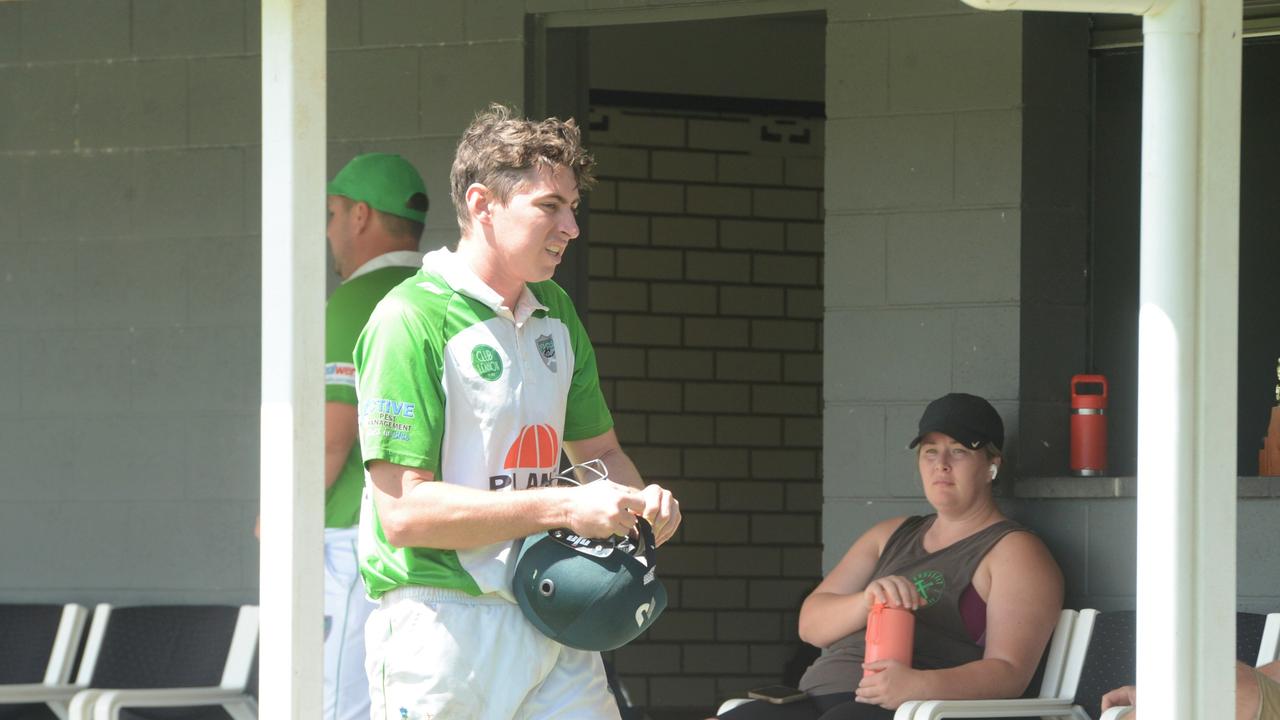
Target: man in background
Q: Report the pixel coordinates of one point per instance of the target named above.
(376, 208)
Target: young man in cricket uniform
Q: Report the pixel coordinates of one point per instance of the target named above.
(472, 377)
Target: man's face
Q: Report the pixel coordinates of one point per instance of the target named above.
(533, 229)
(338, 230)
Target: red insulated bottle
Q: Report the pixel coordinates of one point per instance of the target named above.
(890, 635)
(1088, 425)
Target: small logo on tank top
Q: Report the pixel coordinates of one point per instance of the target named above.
(487, 362)
(930, 584)
(547, 351)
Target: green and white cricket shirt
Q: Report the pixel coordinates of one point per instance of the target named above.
(345, 314)
(452, 381)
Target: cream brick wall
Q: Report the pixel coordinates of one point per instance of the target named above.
(699, 199)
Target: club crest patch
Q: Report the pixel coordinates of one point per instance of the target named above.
(547, 351)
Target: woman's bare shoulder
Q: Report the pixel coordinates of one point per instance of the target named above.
(1023, 550)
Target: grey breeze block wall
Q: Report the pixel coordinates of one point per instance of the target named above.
(130, 265)
(923, 241)
(705, 311)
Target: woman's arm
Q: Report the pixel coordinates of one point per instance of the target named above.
(838, 607)
(1024, 599)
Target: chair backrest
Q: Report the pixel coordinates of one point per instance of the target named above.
(1066, 654)
(40, 642)
(1269, 647)
(1110, 661)
(1249, 629)
(170, 646)
(1112, 657)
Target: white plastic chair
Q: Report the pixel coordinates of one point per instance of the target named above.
(109, 658)
(1062, 667)
(1056, 699)
(1268, 652)
(55, 688)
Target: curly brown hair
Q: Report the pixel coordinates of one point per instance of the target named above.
(499, 150)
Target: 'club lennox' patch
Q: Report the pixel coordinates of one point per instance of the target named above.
(487, 362)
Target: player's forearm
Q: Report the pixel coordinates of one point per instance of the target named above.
(334, 460)
(449, 517)
(621, 469)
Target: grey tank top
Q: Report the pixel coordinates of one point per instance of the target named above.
(941, 639)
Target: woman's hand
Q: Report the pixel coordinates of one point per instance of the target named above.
(892, 684)
(894, 591)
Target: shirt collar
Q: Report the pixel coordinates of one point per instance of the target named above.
(460, 277)
(399, 258)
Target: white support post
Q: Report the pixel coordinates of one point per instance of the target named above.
(1187, 348)
(293, 168)
(1187, 354)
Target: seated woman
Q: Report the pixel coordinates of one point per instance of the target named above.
(985, 591)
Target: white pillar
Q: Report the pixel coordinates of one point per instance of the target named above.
(1187, 348)
(1187, 352)
(293, 168)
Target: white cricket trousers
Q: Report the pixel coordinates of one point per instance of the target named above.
(436, 654)
(346, 608)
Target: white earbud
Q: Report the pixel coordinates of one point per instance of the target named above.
(994, 470)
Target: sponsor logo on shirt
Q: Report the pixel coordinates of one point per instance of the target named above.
(487, 362)
(340, 374)
(387, 418)
(547, 351)
(530, 461)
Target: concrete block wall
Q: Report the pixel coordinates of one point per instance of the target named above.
(923, 240)
(130, 273)
(705, 310)
(129, 286)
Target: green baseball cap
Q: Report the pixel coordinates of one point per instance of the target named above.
(387, 182)
(593, 595)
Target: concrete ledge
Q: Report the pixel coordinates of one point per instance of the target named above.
(1058, 488)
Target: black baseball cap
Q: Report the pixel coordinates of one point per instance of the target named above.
(969, 419)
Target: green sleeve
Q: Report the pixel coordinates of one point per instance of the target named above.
(342, 324)
(398, 376)
(586, 413)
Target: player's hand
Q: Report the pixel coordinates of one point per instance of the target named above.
(662, 510)
(894, 591)
(604, 508)
(891, 685)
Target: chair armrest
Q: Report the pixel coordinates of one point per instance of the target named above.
(111, 702)
(907, 710)
(730, 704)
(36, 693)
(1117, 712)
(82, 705)
(1044, 707)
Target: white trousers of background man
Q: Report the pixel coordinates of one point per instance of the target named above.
(346, 608)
